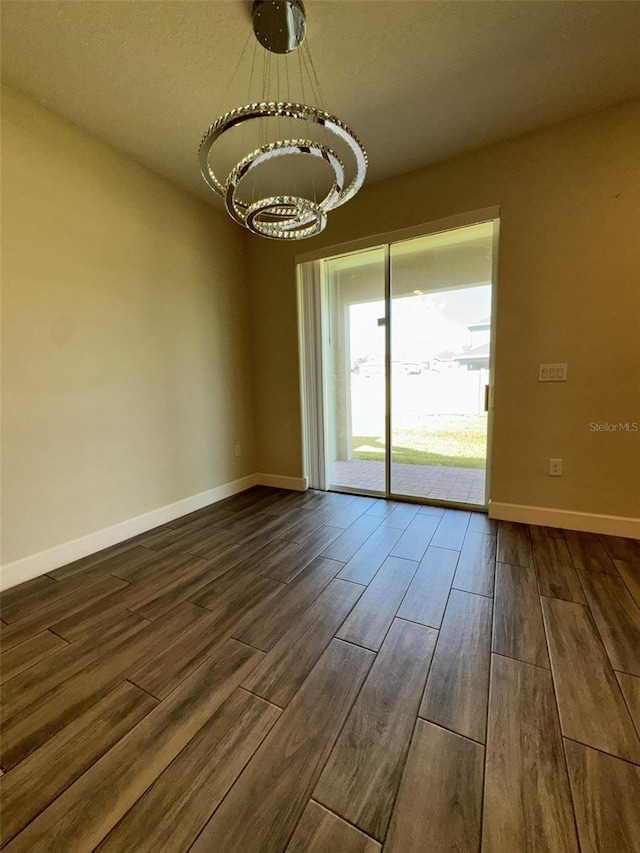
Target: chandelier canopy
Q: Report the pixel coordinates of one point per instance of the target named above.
(282, 188)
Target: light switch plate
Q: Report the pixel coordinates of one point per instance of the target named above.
(552, 373)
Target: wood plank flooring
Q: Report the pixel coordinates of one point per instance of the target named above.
(311, 672)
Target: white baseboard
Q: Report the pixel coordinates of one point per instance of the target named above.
(612, 525)
(29, 567)
(296, 484)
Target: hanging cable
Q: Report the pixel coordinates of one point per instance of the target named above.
(316, 78)
(308, 68)
(248, 101)
(221, 104)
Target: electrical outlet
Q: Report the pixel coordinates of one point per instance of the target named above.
(555, 467)
(238, 450)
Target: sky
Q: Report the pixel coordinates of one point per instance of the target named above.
(422, 325)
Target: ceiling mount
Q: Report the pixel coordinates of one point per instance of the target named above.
(279, 25)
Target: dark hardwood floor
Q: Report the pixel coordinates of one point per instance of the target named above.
(323, 673)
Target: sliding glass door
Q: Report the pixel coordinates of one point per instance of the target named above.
(405, 345)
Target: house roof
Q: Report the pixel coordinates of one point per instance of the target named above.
(481, 350)
(485, 322)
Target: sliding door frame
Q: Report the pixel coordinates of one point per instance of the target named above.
(311, 319)
(388, 364)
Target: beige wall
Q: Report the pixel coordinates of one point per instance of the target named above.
(126, 375)
(568, 291)
(125, 371)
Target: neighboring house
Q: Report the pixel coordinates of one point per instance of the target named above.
(476, 355)
(480, 331)
(474, 358)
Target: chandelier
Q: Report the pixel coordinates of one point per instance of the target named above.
(288, 163)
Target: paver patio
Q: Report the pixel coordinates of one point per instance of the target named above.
(463, 485)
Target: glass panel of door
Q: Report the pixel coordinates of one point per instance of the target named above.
(354, 349)
(440, 354)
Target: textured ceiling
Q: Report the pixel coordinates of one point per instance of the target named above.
(417, 81)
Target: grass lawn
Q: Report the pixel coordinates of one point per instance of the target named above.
(453, 441)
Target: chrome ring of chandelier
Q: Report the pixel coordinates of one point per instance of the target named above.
(289, 222)
(280, 27)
